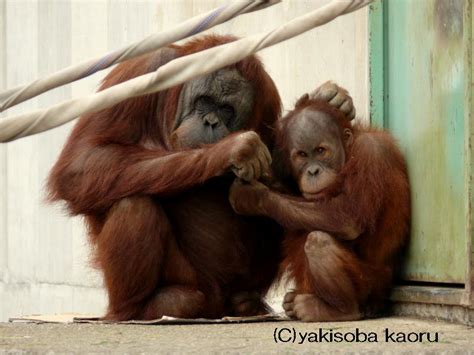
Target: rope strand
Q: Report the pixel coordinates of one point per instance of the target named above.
(82, 70)
(176, 72)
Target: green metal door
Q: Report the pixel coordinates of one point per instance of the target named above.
(421, 91)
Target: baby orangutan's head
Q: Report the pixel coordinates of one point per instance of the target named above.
(316, 137)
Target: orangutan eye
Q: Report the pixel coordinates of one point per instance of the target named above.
(227, 112)
(204, 104)
(320, 150)
(302, 154)
(227, 109)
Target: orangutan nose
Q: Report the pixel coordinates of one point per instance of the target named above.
(313, 171)
(211, 120)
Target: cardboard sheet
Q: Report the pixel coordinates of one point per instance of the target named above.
(78, 318)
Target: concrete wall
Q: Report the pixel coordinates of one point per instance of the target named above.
(44, 254)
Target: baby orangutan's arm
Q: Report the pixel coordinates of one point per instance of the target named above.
(292, 212)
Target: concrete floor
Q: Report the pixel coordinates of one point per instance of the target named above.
(234, 338)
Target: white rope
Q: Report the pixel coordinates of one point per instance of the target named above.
(186, 29)
(173, 73)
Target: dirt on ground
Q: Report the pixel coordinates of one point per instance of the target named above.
(384, 335)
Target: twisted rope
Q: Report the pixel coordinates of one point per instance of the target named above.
(173, 73)
(188, 28)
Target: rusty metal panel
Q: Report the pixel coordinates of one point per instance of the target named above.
(424, 83)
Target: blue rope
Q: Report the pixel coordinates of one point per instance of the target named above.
(111, 57)
(101, 64)
(203, 25)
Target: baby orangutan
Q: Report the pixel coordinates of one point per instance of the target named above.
(346, 214)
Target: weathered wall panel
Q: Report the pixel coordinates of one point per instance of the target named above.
(3, 154)
(425, 90)
(43, 254)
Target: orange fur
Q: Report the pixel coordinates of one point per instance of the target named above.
(372, 193)
(162, 249)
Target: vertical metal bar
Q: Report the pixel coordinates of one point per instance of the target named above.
(377, 63)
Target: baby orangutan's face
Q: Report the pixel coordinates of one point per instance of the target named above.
(317, 152)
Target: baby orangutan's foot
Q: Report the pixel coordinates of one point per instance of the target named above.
(309, 308)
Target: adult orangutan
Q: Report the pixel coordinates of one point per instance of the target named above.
(346, 214)
(151, 176)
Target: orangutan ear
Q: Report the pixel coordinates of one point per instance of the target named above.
(348, 137)
(279, 161)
